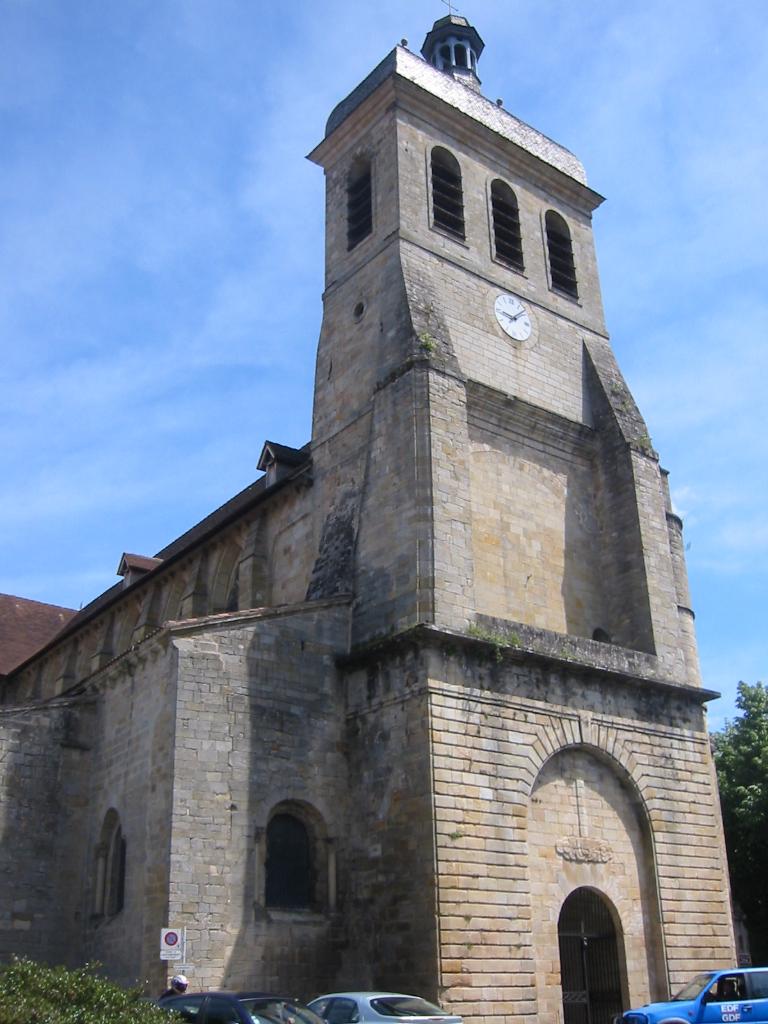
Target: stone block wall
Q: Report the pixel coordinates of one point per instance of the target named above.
(369, 135)
(537, 520)
(546, 370)
(456, 569)
(669, 643)
(530, 760)
(42, 763)
(588, 829)
(394, 937)
(259, 725)
(393, 563)
(131, 772)
(482, 158)
(369, 457)
(66, 765)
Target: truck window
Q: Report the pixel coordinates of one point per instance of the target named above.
(693, 988)
(728, 988)
(758, 983)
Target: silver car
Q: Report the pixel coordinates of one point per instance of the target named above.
(378, 1008)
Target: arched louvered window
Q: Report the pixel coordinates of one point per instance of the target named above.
(507, 243)
(289, 863)
(447, 195)
(359, 203)
(561, 267)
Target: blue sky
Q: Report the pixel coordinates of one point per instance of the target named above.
(161, 248)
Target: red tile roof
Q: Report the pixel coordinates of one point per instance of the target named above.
(26, 626)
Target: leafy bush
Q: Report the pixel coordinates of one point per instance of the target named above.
(31, 993)
(741, 757)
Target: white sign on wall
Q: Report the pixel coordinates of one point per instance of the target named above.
(173, 942)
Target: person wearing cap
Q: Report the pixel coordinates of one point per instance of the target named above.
(178, 987)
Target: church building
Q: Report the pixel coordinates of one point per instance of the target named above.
(420, 709)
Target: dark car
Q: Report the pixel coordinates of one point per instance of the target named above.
(239, 1008)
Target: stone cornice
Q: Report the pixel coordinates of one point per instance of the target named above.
(228, 620)
(510, 642)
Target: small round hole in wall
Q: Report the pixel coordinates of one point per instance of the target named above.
(359, 311)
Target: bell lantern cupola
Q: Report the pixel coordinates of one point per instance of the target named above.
(453, 46)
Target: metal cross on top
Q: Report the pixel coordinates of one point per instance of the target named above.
(449, 5)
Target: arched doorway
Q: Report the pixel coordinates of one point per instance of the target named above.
(590, 971)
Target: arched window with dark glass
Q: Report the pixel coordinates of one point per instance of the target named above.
(359, 203)
(507, 243)
(109, 882)
(561, 266)
(289, 881)
(447, 194)
(116, 873)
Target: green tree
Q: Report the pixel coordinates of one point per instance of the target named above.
(741, 757)
(31, 993)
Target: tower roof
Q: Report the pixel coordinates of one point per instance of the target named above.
(401, 64)
(453, 46)
(451, 25)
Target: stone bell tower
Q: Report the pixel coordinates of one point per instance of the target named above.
(466, 388)
(531, 783)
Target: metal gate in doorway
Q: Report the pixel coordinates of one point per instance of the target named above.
(589, 960)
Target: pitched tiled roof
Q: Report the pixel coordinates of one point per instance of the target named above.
(25, 626)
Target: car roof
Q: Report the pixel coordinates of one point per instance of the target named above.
(368, 995)
(266, 995)
(733, 970)
(236, 994)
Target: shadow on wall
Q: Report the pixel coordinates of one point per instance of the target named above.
(289, 788)
(41, 859)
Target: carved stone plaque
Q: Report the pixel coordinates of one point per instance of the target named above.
(583, 850)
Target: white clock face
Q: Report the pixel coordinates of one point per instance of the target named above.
(513, 317)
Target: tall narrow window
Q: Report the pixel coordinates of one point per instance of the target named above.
(109, 882)
(447, 195)
(508, 245)
(359, 203)
(561, 267)
(115, 895)
(289, 863)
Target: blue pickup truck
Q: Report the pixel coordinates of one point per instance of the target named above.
(715, 997)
